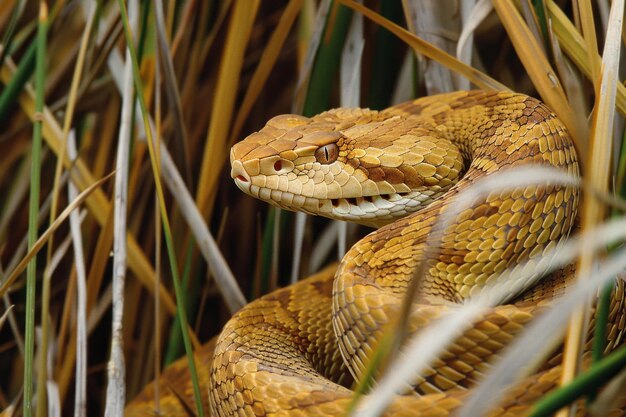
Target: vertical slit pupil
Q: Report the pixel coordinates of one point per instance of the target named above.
(326, 153)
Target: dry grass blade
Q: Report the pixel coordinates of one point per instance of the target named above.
(530, 17)
(479, 12)
(478, 78)
(53, 398)
(19, 190)
(298, 236)
(15, 328)
(98, 203)
(242, 19)
(19, 268)
(80, 400)
(116, 367)
(171, 87)
(404, 87)
(273, 277)
(21, 249)
(350, 71)
(571, 81)
(268, 59)
(574, 46)
(311, 51)
(5, 315)
(222, 274)
(342, 239)
(71, 103)
(323, 246)
(431, 21)
(585, 11)
(7, 39)
(599, 162)
(540, 72)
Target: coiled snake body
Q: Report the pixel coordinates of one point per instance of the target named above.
(298, 350)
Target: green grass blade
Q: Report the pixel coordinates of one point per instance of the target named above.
(587, 381)
(9, 94)
(599, 332)
(387, 61)
(33, 211)
(540, 12)
(189, 302)
(327, 61)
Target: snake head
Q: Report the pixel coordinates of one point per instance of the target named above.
(349, 164)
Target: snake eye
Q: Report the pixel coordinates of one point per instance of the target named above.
(327, 154)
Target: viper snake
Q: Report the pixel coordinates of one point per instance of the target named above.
(299, 350)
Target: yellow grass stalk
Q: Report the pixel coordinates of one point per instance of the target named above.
(268, 59)
(572, 82)
(585, 11)
(574, 46)
(105, 135)
(305, 31)
(215, 150)
(599, 162)
(539, 70)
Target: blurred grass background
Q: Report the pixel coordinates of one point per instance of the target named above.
(212, 72)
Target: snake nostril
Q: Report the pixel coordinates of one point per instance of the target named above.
(278, 165)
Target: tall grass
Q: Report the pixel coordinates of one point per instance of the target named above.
(225, 68)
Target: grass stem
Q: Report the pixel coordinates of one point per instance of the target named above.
(33, 211)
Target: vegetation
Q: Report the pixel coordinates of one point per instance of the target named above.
(121, 233)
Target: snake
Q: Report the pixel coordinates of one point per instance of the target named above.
(301, 350)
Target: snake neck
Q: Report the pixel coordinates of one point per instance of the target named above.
(493, 131)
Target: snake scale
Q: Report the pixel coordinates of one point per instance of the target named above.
(298, 350)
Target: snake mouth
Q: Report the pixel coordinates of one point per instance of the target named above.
(372, 210)
(358, 201)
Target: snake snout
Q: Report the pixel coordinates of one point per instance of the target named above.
(238, 172)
